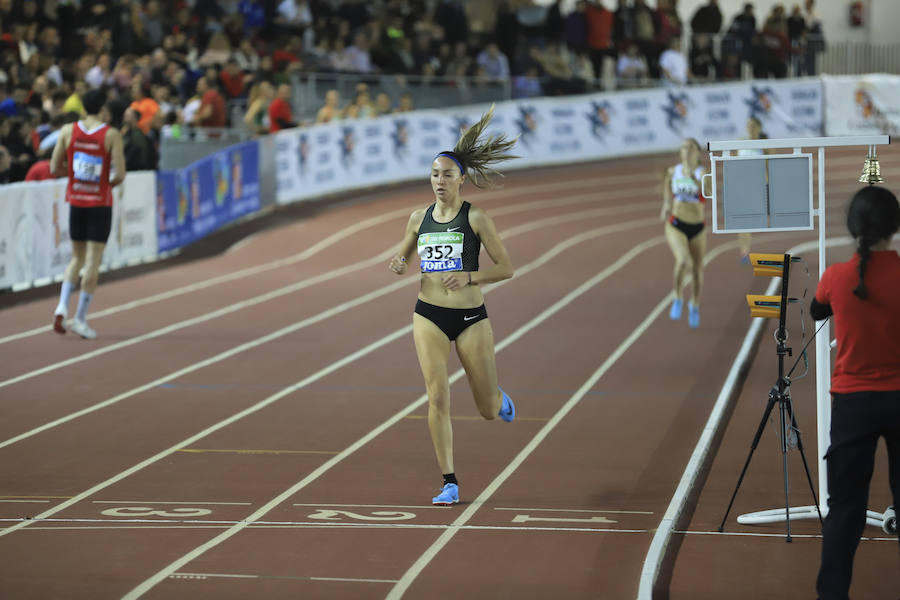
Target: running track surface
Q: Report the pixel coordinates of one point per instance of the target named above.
(252, 425)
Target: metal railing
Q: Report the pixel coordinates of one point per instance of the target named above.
(426, 92)
(852, 58)
(194, 143)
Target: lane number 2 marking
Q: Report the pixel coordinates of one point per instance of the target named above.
(327, 514)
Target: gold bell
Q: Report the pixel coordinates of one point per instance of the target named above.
(871, 172)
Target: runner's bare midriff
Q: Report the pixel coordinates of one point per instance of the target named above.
(432, 291)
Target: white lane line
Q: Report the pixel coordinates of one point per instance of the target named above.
(777, 535)
(323, 504)
(17, 501)
(292, 577)
(742, 362)
(198, 503)
(332, 526)
(582, 510)
(426, 557)
(396, 418)
(217, 524)
(205, 575)
(549, 255)
(289, 289)
(315, 249)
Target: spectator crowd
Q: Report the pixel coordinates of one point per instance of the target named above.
(171, 64)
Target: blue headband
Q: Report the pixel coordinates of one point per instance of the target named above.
(452, 156)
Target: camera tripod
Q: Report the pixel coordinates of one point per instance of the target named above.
(780, 394)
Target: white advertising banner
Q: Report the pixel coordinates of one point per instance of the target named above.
(133, 235)
(862, 104)
(15, 234)
(345, 155)
(34, 228)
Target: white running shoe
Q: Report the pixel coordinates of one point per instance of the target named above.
(82, 329)
(59, 319)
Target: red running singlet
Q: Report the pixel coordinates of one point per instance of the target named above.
(89, 164)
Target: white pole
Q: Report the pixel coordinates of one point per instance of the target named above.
(823, 358)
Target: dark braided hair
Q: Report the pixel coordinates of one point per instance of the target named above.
(873, 215)
(475, 154)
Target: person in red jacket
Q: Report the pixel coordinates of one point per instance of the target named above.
(91, 154)
(212, 105)
(39, 171)
(599, 34)
(862, 296)
(280, 114)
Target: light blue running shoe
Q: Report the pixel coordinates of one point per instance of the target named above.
(449, 495)
(507, 409)
(693, 315)
(675, 311)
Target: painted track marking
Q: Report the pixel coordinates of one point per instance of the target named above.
(195, 503)
(289, 577)
(224, 451)
(221, 524)
(582, 510)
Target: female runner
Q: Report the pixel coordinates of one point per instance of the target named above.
(683, 211)
(448, 236)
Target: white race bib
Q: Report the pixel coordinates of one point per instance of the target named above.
(87, 167)
(441, 251)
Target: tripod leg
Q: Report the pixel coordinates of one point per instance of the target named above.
(812, 487)
(784, 466)
(759, 432)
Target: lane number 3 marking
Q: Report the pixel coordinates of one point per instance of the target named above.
(144, 511)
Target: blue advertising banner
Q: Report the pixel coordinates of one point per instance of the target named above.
(212, 192)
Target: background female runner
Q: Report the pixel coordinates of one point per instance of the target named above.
(683, 211)
(863, 297)
(448, 236)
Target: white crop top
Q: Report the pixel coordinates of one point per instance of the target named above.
(684, 188)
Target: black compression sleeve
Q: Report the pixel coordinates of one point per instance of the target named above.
(819, 311)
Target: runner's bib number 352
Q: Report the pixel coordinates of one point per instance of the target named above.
(441, 251)
(87, 167)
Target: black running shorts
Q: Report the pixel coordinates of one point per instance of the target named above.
(91, 224)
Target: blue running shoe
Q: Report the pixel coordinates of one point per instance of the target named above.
(675, 311)
(507, 409)
(693, 315)
(449, 495)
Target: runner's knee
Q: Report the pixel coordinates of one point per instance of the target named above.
(488, 404)
(438, 398)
